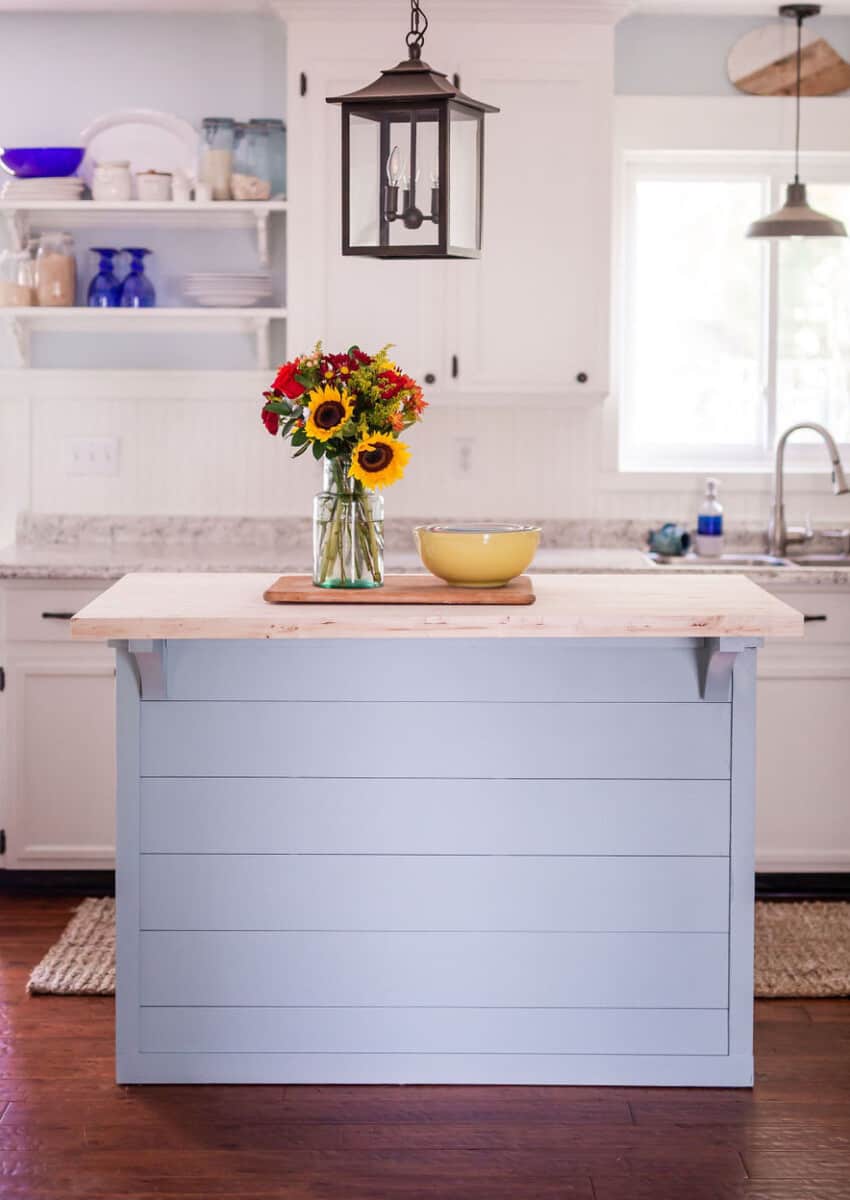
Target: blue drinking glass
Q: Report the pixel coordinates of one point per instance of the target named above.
(105, 288)
(137, 291)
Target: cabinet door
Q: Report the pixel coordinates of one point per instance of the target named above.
(61, 738)
(344, 300)
(531, 315)
(803, 752)
(803, 814)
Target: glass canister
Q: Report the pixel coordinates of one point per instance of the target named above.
(216, 166)
(16, 288)
(276, 130)
(251, 178)
(55, 271)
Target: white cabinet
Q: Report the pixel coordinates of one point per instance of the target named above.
(58, 766)
(531, 316)
(803, 784)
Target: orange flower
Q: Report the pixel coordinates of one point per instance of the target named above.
(397, 421)
(415, 402)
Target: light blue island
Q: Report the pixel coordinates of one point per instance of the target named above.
(389, 844)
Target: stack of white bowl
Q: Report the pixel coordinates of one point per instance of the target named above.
(62, 190)
(227, 291)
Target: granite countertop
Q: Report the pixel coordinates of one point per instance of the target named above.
(103, 549)
(111, 561)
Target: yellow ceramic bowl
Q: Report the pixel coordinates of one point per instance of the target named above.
(477, 555)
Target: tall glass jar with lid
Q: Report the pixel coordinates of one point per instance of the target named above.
(276, 130)
(251, 178)
(216, 165)
(55, 271)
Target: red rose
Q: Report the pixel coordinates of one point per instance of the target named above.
(286, 382)
(271, 421)
(390, 384)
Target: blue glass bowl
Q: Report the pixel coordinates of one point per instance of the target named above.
(42, 162)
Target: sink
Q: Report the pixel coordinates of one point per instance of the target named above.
(821, 560)
(721, 560)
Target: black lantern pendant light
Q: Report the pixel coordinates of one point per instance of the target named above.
(796, 218)
(412, 161)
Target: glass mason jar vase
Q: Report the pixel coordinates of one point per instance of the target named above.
(348, 531)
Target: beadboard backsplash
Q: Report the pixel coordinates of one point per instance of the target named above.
(201, 452)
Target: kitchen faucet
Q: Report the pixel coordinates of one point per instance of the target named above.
(779, 535)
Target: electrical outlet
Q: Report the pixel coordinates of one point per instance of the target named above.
(92, 455)
(463, 454)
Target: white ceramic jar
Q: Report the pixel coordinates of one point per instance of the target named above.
(112, 181)
(153, 185)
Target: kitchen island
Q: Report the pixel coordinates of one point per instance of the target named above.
(389, 844)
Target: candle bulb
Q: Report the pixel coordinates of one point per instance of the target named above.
(393, 178)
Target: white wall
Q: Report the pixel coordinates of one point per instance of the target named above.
(59, 72)
(659, 55)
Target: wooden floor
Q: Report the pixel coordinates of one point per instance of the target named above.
(66, 1131)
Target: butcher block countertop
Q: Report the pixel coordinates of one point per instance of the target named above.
(187, 605)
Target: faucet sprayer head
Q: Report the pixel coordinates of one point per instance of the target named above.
(839, 479)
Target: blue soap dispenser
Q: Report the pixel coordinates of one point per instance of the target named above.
(710, 523)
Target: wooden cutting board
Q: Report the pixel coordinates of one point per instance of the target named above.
(398, 589)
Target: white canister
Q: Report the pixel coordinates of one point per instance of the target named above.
(181, 187)
(153, 185)
(112, 181)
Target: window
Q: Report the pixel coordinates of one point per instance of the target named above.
(727, 341)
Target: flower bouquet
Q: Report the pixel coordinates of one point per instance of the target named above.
(349, 410)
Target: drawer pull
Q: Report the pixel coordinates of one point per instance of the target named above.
(814, 617)
(56, 616)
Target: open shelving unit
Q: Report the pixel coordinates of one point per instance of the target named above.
(22, 220)
(25, 219)
(256, 321)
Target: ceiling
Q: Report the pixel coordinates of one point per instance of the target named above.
(721, 8)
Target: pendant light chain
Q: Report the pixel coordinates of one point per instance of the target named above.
(415, 38)
(799, 74)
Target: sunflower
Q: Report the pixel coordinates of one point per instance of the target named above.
(329, 409)
(378, 460)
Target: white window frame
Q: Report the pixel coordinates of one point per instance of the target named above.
(771, 169)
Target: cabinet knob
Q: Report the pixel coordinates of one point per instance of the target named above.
(430, 377)
(581, 377)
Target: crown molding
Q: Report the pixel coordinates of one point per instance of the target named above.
(152, 7)
(516, 12)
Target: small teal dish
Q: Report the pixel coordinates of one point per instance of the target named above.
(671, 540)
(41, 162)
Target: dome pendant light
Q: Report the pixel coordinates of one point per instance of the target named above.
(796, 218)
(412, 161)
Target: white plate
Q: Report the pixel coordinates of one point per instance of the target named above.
(10, 192)
(25, 186)
(228, 280)
(150, 140)
(229, 291)
(213, 301)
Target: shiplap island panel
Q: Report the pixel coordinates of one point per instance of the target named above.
(464, 845)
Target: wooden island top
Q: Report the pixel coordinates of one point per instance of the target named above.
(225, 605)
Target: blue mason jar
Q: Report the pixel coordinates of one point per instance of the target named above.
(276, 132)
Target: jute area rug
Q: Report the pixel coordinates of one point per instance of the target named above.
(802, 949)
(82, 962)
